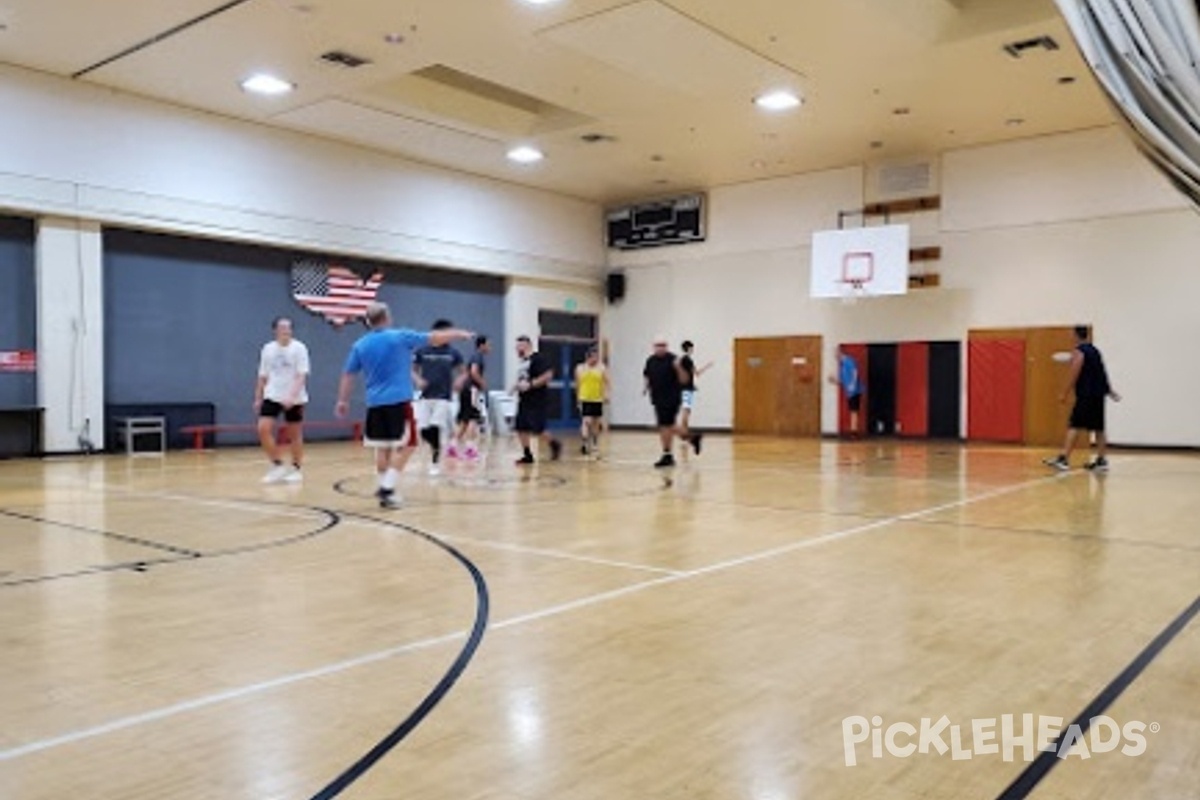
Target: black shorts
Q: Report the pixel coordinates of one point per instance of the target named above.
(271, 409)
(1088, 414)
(468, 411)
(591, 410)
(392, 425)
(854, 403)
(665, 414)
(531, 417)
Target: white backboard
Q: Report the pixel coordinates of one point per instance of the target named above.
(867, 261)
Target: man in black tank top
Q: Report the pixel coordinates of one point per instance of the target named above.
(1089, 379)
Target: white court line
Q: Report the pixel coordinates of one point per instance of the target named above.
(270, 510)
(559, 554)
(220, 697)
(263, 507)
(124, 723)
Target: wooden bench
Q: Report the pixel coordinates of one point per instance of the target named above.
(198, 432)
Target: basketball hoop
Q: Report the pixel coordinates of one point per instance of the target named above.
(853, 290)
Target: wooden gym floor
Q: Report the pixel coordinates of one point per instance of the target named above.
(173, 630)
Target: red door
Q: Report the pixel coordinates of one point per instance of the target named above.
(996, 390)
(912, 389)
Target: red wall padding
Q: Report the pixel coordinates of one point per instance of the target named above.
(912, 389)
(859, 353)
(996, 390)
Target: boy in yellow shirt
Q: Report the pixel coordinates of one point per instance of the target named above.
(591, 390)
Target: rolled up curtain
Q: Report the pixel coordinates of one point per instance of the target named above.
(1145, 55)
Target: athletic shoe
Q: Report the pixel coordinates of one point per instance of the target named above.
(388, 498)
(696, 440)
(471, 454)
(583, 449)
(1059, 463)
(451, 452)
(293, 475)
(524, 461)
(435, 469)
(275, 474)
(555, 449)
(1097, 465)
(667, 460)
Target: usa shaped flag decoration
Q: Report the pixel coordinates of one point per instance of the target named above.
(336, 293)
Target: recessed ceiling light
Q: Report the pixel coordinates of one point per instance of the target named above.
(758, 164)
(540, 2)
(267, 84)
(525, 155)
(780, 100)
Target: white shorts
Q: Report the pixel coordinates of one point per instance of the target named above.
(433, 413)
(688, 399)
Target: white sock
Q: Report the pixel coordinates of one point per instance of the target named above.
(388, 479)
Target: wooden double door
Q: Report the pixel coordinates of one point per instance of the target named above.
(777, 386)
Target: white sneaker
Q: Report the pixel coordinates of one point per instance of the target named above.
(434, 470)
(293, 475)
(275, 474)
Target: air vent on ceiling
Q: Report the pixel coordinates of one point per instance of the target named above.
(1017, 49)
(341, 58)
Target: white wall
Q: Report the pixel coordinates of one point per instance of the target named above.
(1055, 230)
(78, 156)
(525, 298)
(70, 316)
(71, 149)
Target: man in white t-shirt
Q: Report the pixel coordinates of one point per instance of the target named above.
(282, 389)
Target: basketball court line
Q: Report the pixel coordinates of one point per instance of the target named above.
(1076, 537)
(1048, 758)
(135, 541)
(556, 554)
(266, 508)
(249, 690)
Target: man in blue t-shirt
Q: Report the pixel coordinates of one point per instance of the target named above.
(384, 356)
(436, 369)
(847, 378)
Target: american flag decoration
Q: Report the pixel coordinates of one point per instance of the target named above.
(336, 293)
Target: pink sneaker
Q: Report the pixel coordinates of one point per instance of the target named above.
(471, 454)
(451, 452)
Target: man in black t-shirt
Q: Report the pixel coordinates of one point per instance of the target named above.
(472, 402)
(664, 384)
(687, 363)
(534, 373)
(1089, 379)
(435, 369)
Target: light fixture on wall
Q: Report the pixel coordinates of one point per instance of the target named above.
(262, 83)
(525, 154)
(778, 100)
